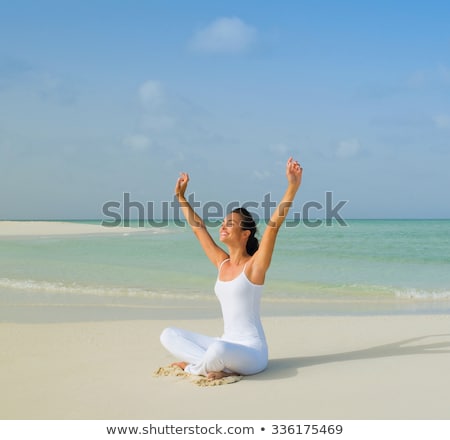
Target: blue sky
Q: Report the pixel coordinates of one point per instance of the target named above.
(100, 98)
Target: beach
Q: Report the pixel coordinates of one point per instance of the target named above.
(59, 228)
(73, 348)
(333, 368)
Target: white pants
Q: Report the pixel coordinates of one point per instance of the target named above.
(205, 354)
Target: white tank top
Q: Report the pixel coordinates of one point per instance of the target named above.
(240, 301)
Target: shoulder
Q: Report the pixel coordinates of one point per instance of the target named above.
(221, 263)
(255, 273)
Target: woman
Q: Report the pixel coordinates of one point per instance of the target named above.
(242, 349)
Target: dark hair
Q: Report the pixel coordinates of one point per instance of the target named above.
(248, 224)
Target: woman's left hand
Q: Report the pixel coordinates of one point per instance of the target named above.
(181, 185)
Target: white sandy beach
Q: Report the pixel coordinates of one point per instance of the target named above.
(384, 367)
(48, 228)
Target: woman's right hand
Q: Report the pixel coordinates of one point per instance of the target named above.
(294, 172)
(181, 184)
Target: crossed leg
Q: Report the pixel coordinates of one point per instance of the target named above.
(211, 357)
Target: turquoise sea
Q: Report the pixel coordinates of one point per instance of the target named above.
(367, 267)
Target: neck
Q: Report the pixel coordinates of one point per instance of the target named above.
(238, 256)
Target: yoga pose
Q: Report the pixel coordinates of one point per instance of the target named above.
(242, 349)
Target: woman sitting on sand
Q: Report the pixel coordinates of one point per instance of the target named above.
(242, 350)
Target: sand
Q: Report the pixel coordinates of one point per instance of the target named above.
(47, 228)
(379, 367)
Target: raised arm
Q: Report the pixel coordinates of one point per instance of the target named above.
(215, 253)
(262, 258)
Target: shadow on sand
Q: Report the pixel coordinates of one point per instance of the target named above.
(288, 367)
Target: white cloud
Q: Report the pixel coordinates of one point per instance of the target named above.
(224, 35)
(348, 148)
(151, 93)
(156, 103)
(261, 175)
(442, 121)
(280, 149)
(137, 142)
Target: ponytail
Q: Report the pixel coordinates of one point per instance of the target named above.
(252, 245)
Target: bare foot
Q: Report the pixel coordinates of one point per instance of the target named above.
(214, 375)
(182, 365)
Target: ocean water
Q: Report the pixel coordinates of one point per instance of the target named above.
(367, 267)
